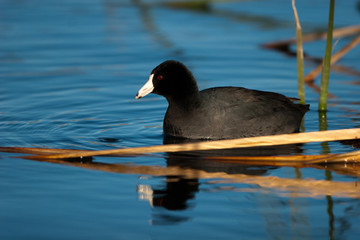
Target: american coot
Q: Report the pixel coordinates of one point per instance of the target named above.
(221, 112)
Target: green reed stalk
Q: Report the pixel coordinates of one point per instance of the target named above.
(325, 74)
(299, 56)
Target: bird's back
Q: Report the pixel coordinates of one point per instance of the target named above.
(233, 112)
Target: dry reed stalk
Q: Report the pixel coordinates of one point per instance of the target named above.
(295, 158)
(337, 33)
(336, 57)
(333, 135)
(350, 157)
(299, 56)
(294, 161)
(39, 151)
(288, 161)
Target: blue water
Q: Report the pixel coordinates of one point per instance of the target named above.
(69, 72)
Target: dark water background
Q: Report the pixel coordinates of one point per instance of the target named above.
(69, 72)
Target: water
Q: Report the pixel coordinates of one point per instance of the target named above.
(69, 73)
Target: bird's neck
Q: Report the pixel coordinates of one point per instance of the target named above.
(185, 102)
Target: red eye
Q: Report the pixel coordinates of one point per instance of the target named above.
(160, 77)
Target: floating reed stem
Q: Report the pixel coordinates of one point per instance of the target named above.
(38, 151)
(294, 161)
(333, 135)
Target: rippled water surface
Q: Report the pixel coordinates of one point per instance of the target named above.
(69, 72)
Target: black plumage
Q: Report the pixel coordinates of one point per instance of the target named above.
(221, 112)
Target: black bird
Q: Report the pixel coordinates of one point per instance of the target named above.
(221, 112)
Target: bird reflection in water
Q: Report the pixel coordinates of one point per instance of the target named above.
(178, 191)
